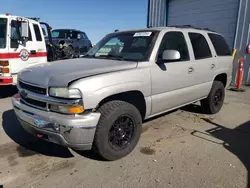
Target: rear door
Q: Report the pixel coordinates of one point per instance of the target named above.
(204, 62)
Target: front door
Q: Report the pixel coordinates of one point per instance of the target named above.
(29, 52)
(172, 82)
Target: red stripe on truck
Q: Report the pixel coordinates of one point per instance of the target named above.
(17, 55)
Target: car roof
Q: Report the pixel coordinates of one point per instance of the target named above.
(167, 28)
(68, 30)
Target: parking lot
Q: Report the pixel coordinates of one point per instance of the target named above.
(183, 148)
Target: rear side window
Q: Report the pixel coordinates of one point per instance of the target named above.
(174, 40)
(200, 46)
(85, 36)
(220, 45)
(37, 32)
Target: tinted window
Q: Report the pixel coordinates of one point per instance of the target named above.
(200, 46)
(64, 33)
(84, 35)
(174, 41)
(220, 45)
(37, 32)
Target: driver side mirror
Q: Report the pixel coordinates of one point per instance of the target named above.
(170, 55)
(24, 30)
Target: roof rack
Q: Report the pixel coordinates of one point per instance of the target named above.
(190, 26)
(34, 18)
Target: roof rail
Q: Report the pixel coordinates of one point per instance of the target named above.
(192, 27)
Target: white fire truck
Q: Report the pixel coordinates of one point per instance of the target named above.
(25, 42)
(22, 44)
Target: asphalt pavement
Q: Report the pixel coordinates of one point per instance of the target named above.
(183, 148)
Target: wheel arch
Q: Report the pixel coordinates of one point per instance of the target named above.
(222, 77)
(134, 97)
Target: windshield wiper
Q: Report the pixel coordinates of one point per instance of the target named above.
(113, 56)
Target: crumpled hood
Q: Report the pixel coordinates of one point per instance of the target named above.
(60, 73)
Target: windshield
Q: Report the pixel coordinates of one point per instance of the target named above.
(132, 46)
(60, 33)
(3, 28)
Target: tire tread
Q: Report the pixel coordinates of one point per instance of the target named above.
(105, 110)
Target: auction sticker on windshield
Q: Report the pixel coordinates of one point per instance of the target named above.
(142, 34)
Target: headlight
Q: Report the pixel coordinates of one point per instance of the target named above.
(65, 93)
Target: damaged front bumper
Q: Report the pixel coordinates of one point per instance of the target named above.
(74, 131)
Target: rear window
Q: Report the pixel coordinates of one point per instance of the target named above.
(200, 46)
(220, 45)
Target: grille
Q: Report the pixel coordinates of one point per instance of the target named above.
(33, 103)
(32, 88)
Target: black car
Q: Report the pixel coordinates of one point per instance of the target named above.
(76, 42)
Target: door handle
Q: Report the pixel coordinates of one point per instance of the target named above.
(212, 66)
(33, 51)
(190, 69)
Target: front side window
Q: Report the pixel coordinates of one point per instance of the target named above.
(133, 46)
(220, 45)
(37, 32)
(200, 46)
(174, 40)
(15, 33)
(3, 30)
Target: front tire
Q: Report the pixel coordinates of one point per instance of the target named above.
(214, 102)
(118, 130)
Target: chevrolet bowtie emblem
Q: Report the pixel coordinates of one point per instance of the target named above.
(24, 94)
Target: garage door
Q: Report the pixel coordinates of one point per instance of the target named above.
(220, 16)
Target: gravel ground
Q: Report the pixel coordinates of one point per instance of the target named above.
(183, 148)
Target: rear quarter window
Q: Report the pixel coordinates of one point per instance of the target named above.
(220, 45)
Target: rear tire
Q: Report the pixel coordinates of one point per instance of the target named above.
(68, 52)
(118, 130)
(214, 101)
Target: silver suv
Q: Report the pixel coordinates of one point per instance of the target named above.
(100, 101)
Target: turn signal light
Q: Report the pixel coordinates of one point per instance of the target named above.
(4, 70)
(4, 63)
(76, 109)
